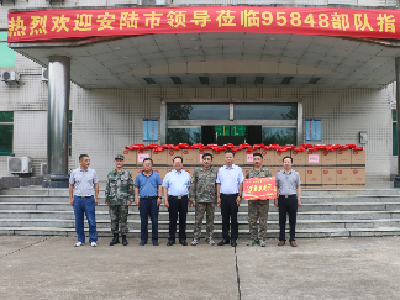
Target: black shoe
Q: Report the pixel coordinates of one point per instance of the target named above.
(223, 242)
(169, 244)
(155, 243)
(115, 240)
(142, 243)
(183, 243)
(233, 243)
(124, 241)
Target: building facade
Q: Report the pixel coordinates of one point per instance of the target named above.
(202, 87)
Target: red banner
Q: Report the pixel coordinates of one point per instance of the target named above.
(55, 25)
(259, 188)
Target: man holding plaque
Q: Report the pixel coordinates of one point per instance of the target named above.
(287, 181)
(258, 209)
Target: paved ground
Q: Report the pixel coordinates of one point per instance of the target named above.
(336, 268)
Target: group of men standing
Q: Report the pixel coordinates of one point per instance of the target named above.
(204, 190)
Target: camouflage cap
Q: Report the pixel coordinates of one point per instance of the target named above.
(119, 156)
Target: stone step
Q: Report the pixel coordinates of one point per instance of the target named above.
(163, 224)
(305, 199)
(163, 215)
(333, 206)
(306, 233)
(34, 190)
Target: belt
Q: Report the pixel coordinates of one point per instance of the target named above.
(84, 196)
(149, 198)
(287, 196)
(230, 194)
(177, 197)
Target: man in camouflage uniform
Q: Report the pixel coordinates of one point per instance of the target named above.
(203, 194)
(258, 209)
(119, 195)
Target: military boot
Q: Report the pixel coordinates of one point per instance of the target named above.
(115, 240)
(124, 242)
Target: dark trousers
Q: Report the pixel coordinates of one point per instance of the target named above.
(229, 210)
(148, 208)
(177, 206)
(287, 205)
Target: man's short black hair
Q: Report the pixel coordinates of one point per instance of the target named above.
(291, 158)
(257, 154)
(179, 158)
(207, 154)
(83, 155)
(148, 158)
(230, 151)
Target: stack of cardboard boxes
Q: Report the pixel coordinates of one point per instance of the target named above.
(327, 167)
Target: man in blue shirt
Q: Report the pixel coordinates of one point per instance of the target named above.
(83, 196)
(229, 193)
(150, 185)
(176, 189)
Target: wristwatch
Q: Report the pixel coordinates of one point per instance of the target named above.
(160, 197)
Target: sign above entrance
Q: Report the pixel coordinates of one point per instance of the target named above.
(78, 24)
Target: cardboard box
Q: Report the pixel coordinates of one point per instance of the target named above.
(130, 157)
(358, 186)
(274, 170)
(358, 176)
(240, 157)
(299, 158)
(269, 157)
(218, 158)
(329, 186)
(142, 154)
(343, 177)
(358, 158)
(245, 171)
(191, 157)
(313, 176)
(302, 173)
(279, 155)
(328, 158)
(189, 170)
(165, 157)
(328, 176)
(162, 171)
(248, 158)
(313, 158)
(134, 172)
(343, 157)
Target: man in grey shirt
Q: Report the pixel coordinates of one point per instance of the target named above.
(83, 196)
(287, 181)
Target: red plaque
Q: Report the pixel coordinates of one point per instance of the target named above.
(259, 189)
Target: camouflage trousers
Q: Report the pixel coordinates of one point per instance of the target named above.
(258, 210)
(209, 209)
(119, 214)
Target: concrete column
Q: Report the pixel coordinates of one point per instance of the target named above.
(57, 123)
(397, 68)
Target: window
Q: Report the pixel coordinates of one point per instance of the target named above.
(189, 135)
(7, 55)
(198, 111)
(268, 111)
(281, 136)
(6, 132)
(395, 135)
(70, 134)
